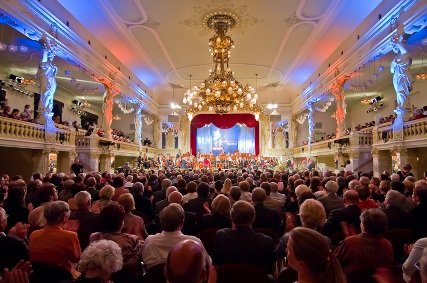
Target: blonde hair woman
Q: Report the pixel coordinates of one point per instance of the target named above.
(226, 187)
(105, 197)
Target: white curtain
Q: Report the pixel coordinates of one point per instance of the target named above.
(247, 140)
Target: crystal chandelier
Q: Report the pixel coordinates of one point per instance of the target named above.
(221, 92)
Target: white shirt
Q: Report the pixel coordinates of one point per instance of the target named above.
(157, 247)
(414, 257)
(187, 197)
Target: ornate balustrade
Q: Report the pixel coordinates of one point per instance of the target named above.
(17, 133)
(412, 131)
(277, 152)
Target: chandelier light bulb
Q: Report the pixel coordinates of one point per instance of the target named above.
(210, 109)
(3, 46)
(239, 91)
(22, 48)
(224, 84)
(235, 108)
(217, 94)
(184, 100)
(199, 107)
(13, 48)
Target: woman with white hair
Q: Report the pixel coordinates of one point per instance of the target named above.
(99, 260)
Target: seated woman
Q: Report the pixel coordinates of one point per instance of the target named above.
(111, 219)
(133, 224)
(309, 254)
(105, 197)
(99, 260)
(219, 218)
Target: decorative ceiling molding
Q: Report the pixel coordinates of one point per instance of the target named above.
(202, 13)
(72, 48)
(378, 37)
(321, 23)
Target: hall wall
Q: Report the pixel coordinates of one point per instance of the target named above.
(22, 162)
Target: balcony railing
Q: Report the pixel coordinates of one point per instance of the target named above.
(412, 130)
(15, 133)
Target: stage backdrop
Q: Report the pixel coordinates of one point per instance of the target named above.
(215, 132)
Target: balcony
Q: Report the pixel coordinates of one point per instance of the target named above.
(21, 134)
(414, 134)
(361, 140)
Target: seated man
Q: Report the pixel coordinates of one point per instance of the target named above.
(53, 245)
(159, 245)
(241, 244)
(369, 249)
(188, 262)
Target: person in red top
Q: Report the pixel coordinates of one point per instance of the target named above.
(206, 163)
(365, 201)
(53, 245)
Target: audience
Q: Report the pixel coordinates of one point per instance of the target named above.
(238, 204)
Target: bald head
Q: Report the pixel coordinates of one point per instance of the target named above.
(175, 197)
(170, 189)
(187, 262)
(351, 197)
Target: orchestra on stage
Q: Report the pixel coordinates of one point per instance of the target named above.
(206, 161)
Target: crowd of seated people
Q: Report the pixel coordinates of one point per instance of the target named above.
(419, 113)
(331, 227)
(25, 115)
(382, 120)
(119, 135)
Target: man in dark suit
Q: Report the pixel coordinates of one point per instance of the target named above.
(331, 201)
(265, 217)
(347, 217)
(241, 244)
(396, 216)
(197, 205)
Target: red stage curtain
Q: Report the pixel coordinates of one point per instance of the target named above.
(224, 121)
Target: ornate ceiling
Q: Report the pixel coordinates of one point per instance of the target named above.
(147, 46)
(163, 42)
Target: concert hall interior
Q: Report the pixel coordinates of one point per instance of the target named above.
(254, 141)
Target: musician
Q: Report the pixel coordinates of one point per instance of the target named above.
(139, 160)
(206, 163)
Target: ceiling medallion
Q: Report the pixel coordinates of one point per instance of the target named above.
(221, 92)
(237, 13)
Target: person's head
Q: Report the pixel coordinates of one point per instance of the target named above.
(191, 187)
(395, 177)
(175, 197)
(363, 192)
(91, 182)
(312, 214)
(203, 190)
(83, 200)
(300, 189)
(56, 212)
(244, 186)
(172, 218)
(407, 167)
(112, 218)
(47, 193)
(137, 188)
(394, 198)
(118, 182)
(258, 195)
(187, 262)
(107, 192)
(274, 187)
(227, 186)
(331, 187)
(126, 200)
(16, 194)
(419, 195)
(235, 193)
(353, 183)
(101, 258)
(166, 183)
(351, 197)
(221, 205)
(218, 186)
(309, 254)
(373, 221)
(242, 213)
(398, 186)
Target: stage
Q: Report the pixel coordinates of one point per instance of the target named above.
(224, 134)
